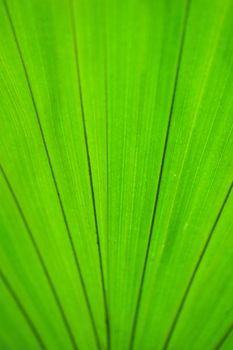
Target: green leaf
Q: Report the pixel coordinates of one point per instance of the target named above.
(116, 213)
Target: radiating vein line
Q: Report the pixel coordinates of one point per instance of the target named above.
(51, 169)
(224, 338)
(107, 165)
(76, 52)
(41, 260)
(22, 311)
(135, 320)
(190, 283)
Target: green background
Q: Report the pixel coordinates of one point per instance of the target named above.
(116, 151)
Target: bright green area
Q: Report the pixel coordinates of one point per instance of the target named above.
(116, 152)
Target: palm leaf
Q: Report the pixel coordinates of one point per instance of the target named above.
(116, 174)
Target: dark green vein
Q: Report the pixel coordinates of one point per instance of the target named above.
(23, 311)
(107, 182)
(76, 52)
(41, 260)
(137, 309)
(107, 160)
(224, 337)
(51, 169)
(195, 271)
